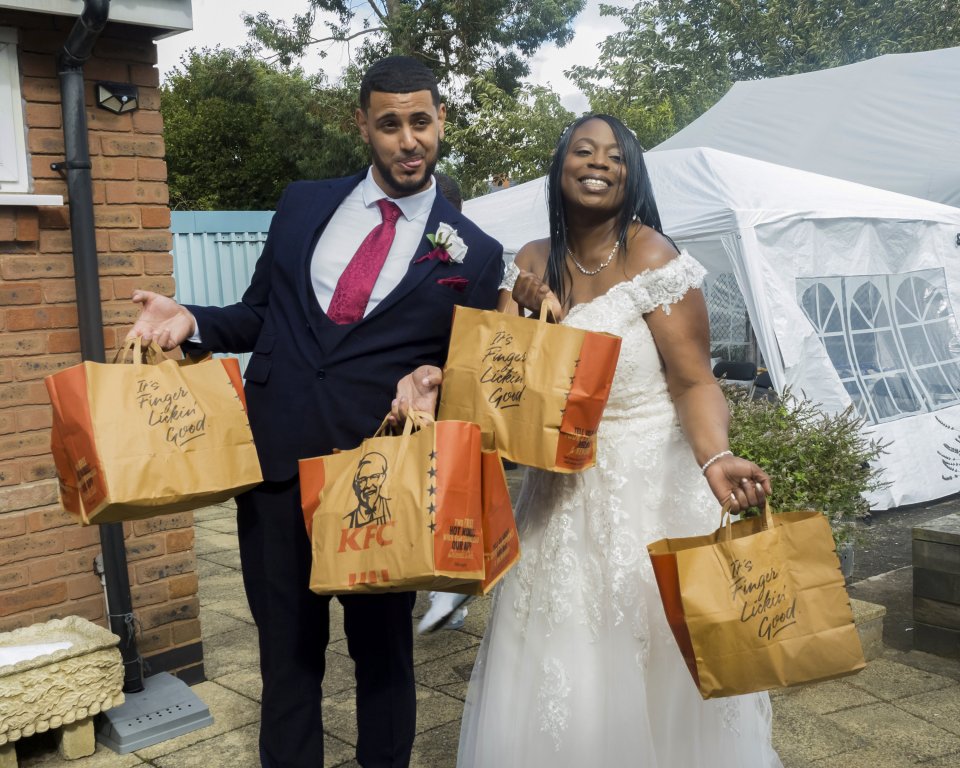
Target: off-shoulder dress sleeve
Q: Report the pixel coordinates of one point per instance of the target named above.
(510, 275)
(666, 285)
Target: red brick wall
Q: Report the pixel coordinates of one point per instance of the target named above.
(46, 558)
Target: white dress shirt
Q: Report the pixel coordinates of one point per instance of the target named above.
(352, 222)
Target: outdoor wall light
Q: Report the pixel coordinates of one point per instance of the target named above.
(117, 97)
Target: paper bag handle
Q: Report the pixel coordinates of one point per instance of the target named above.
(133, 348)
(726, 519)
(544, 311)
(415, 420)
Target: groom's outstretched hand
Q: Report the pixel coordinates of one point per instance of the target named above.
(162, 320)
(416, 391)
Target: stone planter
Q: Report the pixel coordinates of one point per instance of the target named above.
(63, 689)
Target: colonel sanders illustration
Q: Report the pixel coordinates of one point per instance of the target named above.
(367, 483)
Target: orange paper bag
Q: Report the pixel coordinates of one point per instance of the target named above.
(538, 388)
(150, 438)
(758, 604)
(501, 543)
(399, 512)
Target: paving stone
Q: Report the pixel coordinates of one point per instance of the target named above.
(244, 681)
(433, 709)
(870, 757)
(207, 568)
(40, 751)
(895, 730)
(214, 623)
(937, 665)
(236, 608)
(217, 511)
(230, 651)
(227, 557)
(829, 696)
(230, 711)
(214, 542)
(222, 524)
(237, 749)
(226, 585)
(940, 708)
(437, 748)
(889, 680)
(800, 735)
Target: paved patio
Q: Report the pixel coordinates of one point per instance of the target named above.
(903, 710)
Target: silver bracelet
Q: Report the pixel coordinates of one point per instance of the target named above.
(708, 462)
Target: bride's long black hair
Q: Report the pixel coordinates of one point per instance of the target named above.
(638, 201)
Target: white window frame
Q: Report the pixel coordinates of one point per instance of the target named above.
(14, 171)
(892, 383)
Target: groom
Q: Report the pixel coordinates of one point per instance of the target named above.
(335, 318)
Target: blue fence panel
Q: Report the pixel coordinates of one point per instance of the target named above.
(214, 253)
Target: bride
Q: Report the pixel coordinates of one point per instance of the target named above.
(578, 666)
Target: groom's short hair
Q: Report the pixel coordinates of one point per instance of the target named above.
(398, 74)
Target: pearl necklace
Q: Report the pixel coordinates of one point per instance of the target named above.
(591, 272)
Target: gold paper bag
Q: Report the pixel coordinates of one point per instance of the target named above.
(401, 512)
(758, 604)
(539, 389)
(151, 438)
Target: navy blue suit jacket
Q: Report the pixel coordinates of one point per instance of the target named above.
(312, 385)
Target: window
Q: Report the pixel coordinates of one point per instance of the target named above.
(892, 339)
(13, 152)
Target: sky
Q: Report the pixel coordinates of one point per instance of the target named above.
(214, 25)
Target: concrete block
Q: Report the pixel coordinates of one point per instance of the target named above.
(77, 739)
(868, 618)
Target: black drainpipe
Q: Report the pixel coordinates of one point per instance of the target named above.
(76, 50)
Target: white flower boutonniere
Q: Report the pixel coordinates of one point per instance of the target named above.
(447, 246)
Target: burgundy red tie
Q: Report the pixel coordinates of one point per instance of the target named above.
(355, 285)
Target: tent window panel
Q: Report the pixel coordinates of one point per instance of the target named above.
(836, 347)
(858, 400)
(877, 352)
(951, 372)
(821, 308)
(893, 397)
(868, 309)
(919, 352)
(937, 387)
(942, 338)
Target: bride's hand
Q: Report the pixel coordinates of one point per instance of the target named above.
(738, 482)
(530, 292)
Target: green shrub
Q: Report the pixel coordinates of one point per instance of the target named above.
(815, 460)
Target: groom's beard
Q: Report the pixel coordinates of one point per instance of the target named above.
(408, 185)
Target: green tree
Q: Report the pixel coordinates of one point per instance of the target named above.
(459, 38)
(675, 58)
(238, 130)
(504, 137)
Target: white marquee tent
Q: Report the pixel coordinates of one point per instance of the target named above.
(850, 290)
(891, 122)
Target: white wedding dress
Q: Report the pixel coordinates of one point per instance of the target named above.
(578, 667)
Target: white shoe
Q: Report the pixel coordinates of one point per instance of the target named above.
(443, 606)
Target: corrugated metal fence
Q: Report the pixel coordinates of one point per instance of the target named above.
(214, 253)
